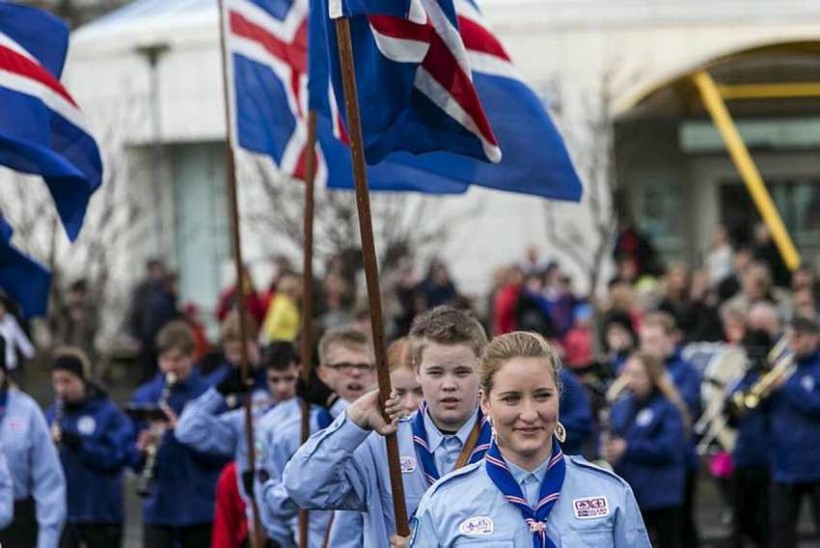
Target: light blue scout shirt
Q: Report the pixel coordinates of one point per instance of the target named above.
(465, 508)
(206, 426)
(280, 435)
(345, 468)
(6, 493)
(33, 463)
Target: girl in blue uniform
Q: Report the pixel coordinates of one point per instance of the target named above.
(525, 492)
(93, 438)
(649, 450)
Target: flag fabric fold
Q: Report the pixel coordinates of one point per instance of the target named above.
(23, 279)
(42, 129)
(413, 78)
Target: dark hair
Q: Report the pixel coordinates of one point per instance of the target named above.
(280, 355)
(175, 335)
(446, 325)
(80, 285)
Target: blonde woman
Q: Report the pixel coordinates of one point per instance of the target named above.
(649, 450)
(525, 492)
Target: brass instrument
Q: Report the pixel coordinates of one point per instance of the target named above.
(782, 359)
(152, 451)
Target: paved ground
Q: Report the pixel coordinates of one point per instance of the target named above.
(123, 380)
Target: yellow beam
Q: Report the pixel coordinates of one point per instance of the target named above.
(784, 90)
(746, 167)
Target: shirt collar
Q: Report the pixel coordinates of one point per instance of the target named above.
(435, 438)
(520, 474)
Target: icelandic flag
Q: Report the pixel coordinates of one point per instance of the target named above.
(42, 130)
(413, 77)
(269, 63)
(22, 279)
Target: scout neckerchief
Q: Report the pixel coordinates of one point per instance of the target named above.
(536, 518)
(473, 450)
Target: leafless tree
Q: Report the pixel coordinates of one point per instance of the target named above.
(586, 237)
(405, 224)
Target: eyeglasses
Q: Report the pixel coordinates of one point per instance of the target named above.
(347, 367)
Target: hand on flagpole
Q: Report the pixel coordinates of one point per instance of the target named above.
(367, 413)
(397, 541)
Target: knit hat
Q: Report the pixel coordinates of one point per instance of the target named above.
(72, 361)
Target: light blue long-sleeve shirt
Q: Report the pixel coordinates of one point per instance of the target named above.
(345, 468)
(465, 508)
(280, 435)
(34, 465)
(206, 426)
(6, 493)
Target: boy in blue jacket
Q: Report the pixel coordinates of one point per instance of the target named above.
(93, 438)
(179, 504)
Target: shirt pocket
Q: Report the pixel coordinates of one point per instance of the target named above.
(599, 534)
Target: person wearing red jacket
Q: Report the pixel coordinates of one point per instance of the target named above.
(230, 529)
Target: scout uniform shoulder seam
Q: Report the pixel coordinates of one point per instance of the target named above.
(456, 476)
(586, 465)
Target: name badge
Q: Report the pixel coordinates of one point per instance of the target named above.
(477, 526)
(408, 465)
(590, 508)
(644, 417)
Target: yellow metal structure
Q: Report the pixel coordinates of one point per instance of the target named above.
(715, 105)
(793, 90)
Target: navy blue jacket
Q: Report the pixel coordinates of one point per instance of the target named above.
(753, 444)
(575, 413)
(687, 381)
(654, 460)
(183, 490)
(93, 461)
(795, 422)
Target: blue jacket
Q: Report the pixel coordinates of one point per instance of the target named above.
(94, 465)
(795, 424)
(753, 444)
(687, 380)
(33, 463)
(575, 413)
(465, 508)
(185, 481)
(654, 460)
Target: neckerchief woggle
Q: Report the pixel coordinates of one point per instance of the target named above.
(535, 518)
(428, 462)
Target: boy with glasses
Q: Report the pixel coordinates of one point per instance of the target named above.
(346, 370)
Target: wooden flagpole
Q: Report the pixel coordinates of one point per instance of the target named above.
(307, 296)
(233, 210)
(371, 269)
